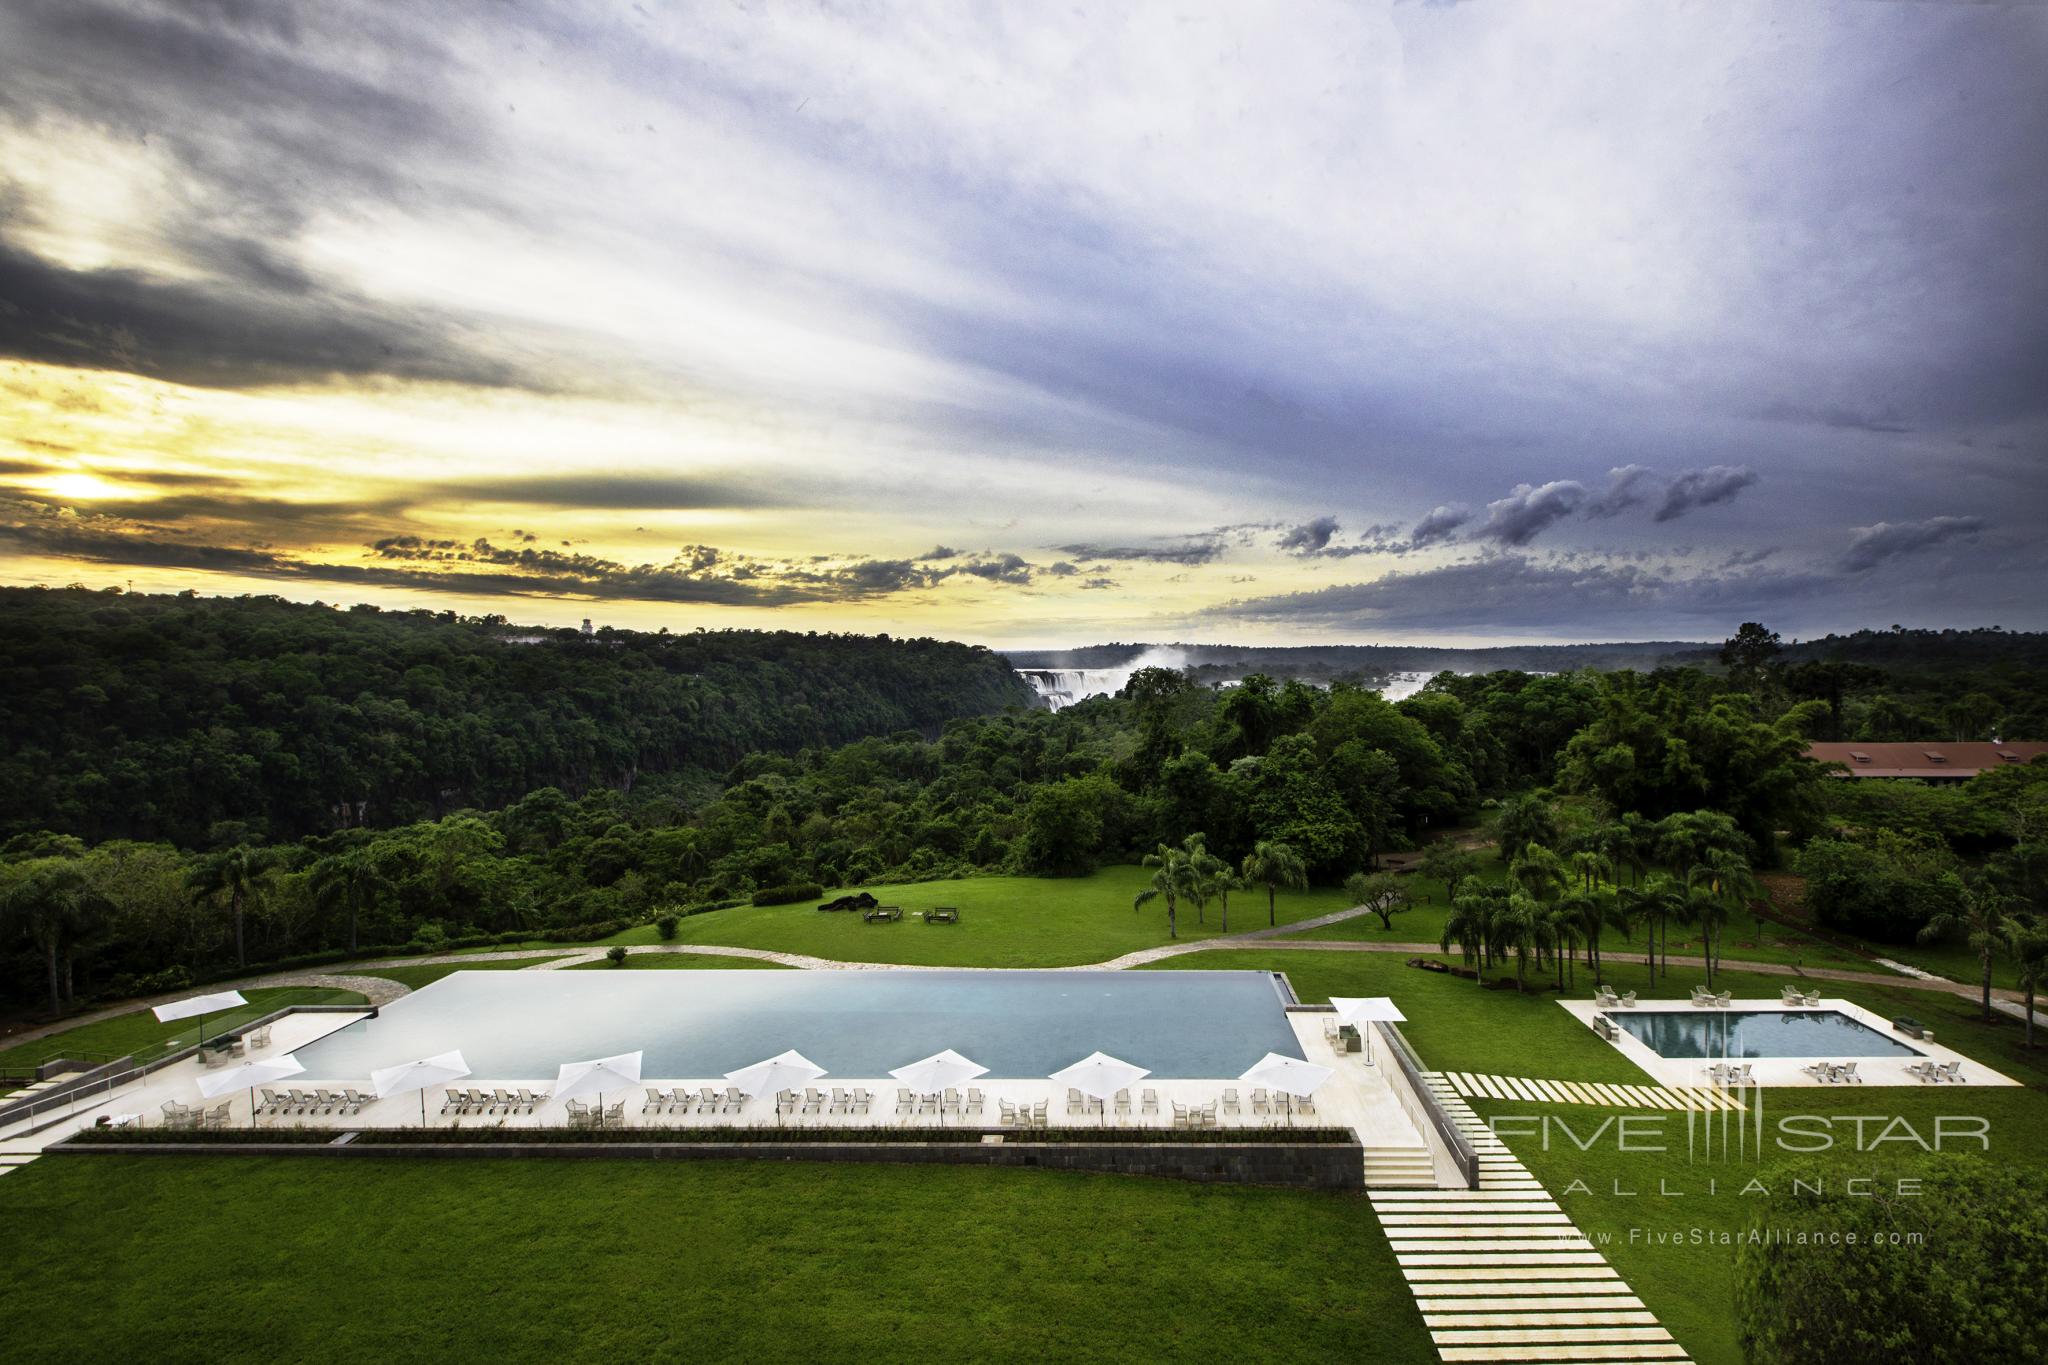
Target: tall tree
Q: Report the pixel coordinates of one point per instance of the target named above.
(1986, 927)
(1274, 864)
(1383, 893)
(351, 881)
(237, 875)
(1173, 877)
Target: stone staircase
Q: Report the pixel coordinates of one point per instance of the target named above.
(1399, 1168)
(1501, 1274)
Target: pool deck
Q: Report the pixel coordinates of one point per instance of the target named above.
(1358, 1097)
(1691, 1072)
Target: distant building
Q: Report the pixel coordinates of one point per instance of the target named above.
(1930, 760)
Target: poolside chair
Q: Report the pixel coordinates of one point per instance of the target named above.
(216, 1117)
(840, 1100)
(1305, 1105)
(1700, 998)
(357, 1099)
(973, 1105)
(654, 1103)
(1281, 1106)
(952, 1101)
(615, 1114)
(1180, 1114)
(175, 1114)
(1813, 997)
(1791, 995)
(329, 1101)
(706, 1100)
(258, 1038)
(1628, 1000)
(1148, 1101)
(456, 1101)
(906, 1103)
(927, 1105)
(1718, 1073)
(1846, 1072)
(1927, 1072)
(814, 1100)
(785, 1101)
(1740, 1075)
(534, 1099)
(733, 1100)
(1820, 1071)
(1949, 1071)
(861, 1100)
(1603, 1026)
(1605, 997)
(270, 1104)
(1041, 1116)
(1260, 1105)
(1123, 1104)
(1230, 1101)
(1722, 999)
(1074, 1101)
(1008, 1112)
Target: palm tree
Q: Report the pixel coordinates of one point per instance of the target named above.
(1539, 872)
(1728, 881)
(1652, 905)
(1172, 880)
(1273, 864)
(1984, 921)
(351, 880)
(1520, 928)
(1204, 868)
(54, 900)
(237, 873)
(1706, 909)
(2029, 948)
(1470, 925)
(1226, 881)
(1591, 867)
(1564, 927)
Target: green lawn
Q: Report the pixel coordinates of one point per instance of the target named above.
(139, 1034)
(213, 1258)
(1625, 1198)
(416, 975)
(644, 962)
(1004, 922)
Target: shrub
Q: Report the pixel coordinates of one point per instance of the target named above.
(1887, 893)
(1951, 1273)
(788, 894)
(616, 955)
(666, 925)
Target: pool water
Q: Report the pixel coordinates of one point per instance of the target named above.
(856, 1024)
(1762, 1033)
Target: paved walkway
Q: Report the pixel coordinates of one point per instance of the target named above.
(1603, 1093)
(1502, 1274)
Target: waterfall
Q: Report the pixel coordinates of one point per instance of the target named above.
(1059, 688)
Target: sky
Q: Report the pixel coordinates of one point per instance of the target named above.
(1404, 322)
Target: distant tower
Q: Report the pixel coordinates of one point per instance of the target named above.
(587, 629)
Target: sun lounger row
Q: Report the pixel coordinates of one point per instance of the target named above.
(1932, 1072)
(493, 1101)
(344, 1101)
(1834, 1073)
(1793, 996)
(815, 1101)
(1722, 1073)
(1605, 997)
(704, 1100)
(1706, 999)
(949, 1102)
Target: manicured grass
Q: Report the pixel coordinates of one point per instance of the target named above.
(1955, 960)
(672, 962)
(1627, 1199)
(138, 1032)
(1004, 922)
(284, 1259)
(427, 973)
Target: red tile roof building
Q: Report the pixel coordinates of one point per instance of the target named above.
(1930, 759)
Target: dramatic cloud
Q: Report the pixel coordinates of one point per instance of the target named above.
(1310, 537)
(1873, 545)
(1191, 551)
(1624, 490)
(1703, 488)
(1527, 512)
(1440, 523)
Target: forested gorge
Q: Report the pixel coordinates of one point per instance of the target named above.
(503, 802)
(165, 717)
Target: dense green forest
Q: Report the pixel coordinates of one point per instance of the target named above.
(1686, 777)
(164, 717)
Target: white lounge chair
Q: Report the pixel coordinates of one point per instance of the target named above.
(1230, 1101)
(1305, 1105)
(1075, 1103)
(1628, 1000)
(1180, 1114)
(530, 1100)
(906, 1103)
(785, 1101)
(1702, 998)
(840, 1100)
(861, 1100)
(655, 1102)
(734, 1100)
(455, 1101)
(1605, 997)
(1281, 1106)
(973, 1105)
(1259, 1102)
(1148, 1101)
(1123, 1104)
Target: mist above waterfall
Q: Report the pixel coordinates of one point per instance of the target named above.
(1061, 687)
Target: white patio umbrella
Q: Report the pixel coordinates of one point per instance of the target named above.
(1288, 1075)
(1099, 1076)
(396, 1080)
(782, 1072)
(1358, 1011)
(198, 1004)
(249, 1075)
(606, 1073)
(938, 1071)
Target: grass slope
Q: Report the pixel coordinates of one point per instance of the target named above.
(286, 1259)
(671, 962)
(139, 1033)
(1004, 922)
(427, 973)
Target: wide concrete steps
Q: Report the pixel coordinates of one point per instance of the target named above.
(1502, 1274)
(1605, 1093)
(1393, 1167)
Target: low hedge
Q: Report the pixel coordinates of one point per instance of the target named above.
(789, 894)
(229, 1137)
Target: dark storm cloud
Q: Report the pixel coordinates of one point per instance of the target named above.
(1625, 489)
(1529, 511)
(1310, 537)
(1440, 524)
(1873, 545)
(939, 552)
(1190, 551)
(1703, 488)
(207, 334)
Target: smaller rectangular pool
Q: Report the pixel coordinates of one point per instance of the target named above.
(1757, 1033)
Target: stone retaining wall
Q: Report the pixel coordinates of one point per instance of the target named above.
(1320, 1166)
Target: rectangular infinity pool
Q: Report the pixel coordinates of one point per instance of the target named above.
(1757, 1033)
(701, 1024)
